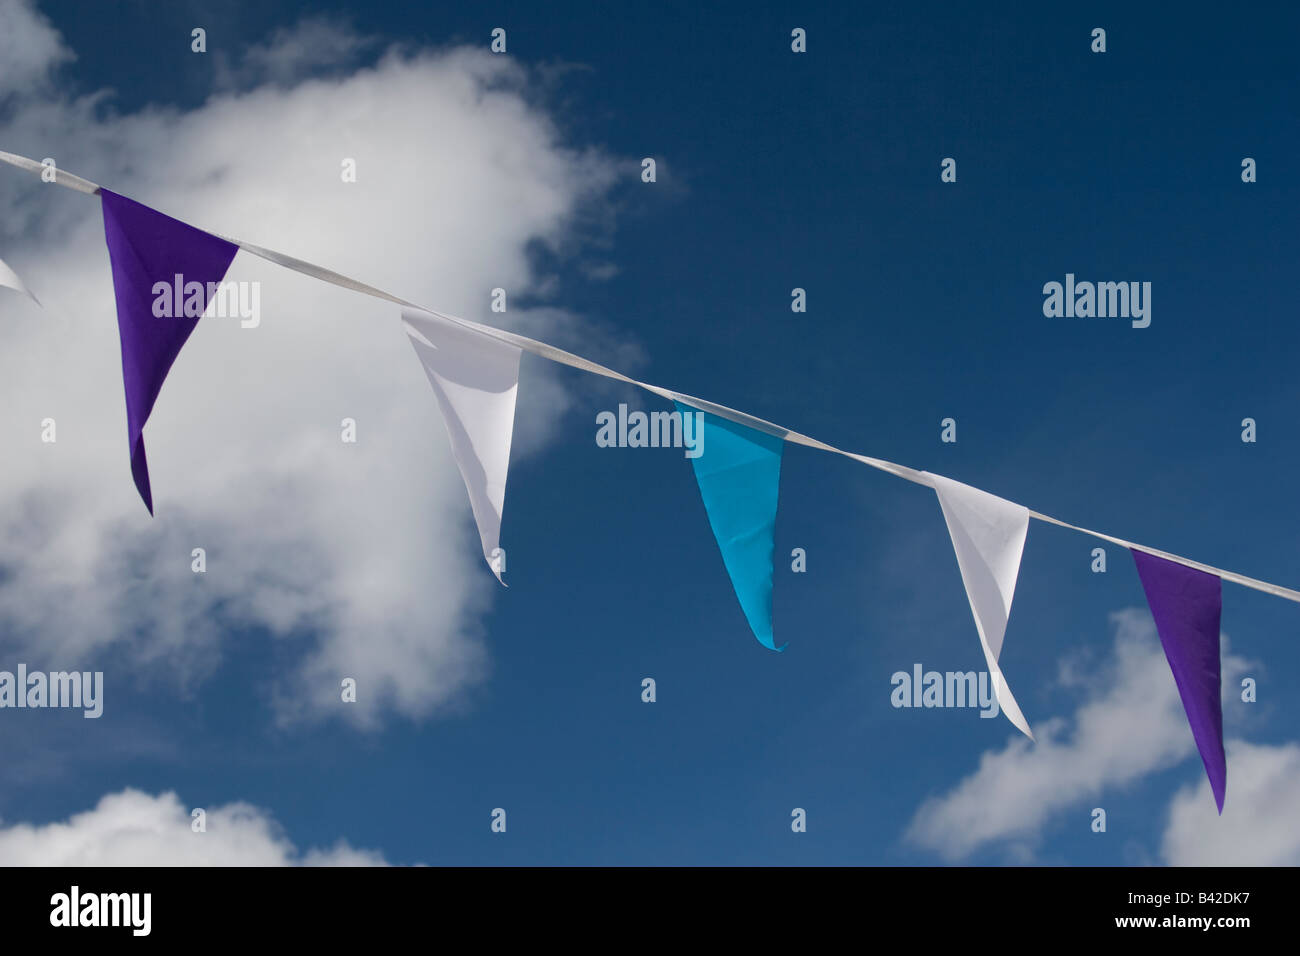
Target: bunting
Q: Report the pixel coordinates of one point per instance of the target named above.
(1187, 605)
(474, 371)
(988, 535)
(475, 379)
(739, 474)
(146, 248)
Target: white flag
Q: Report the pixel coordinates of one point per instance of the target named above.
(475, 378)
(988, 535)
(9, 279)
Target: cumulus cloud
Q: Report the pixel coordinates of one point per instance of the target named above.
(1130, 723)
(133, 828)
(30, 48)
(362, 555)
(1259, 826)
(314, 46)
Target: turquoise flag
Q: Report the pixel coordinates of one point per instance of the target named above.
(739, 473)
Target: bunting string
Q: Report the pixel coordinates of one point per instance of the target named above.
(562, 357)
(474, 371)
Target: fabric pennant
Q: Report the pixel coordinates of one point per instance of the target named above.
(988, 536)
(11, 280)
(1187, 605)
(739, 474)
(475, 379)
(146, 248)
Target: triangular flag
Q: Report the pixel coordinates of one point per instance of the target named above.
(739, 474)
(1187, 605)
(988, 535)
(475, 378)
(11, 280)
(147, 248)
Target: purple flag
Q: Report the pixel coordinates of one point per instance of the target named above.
(1187, 604)
(147, 249)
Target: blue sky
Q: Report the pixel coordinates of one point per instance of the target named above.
(779, 170)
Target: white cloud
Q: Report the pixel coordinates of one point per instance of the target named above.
(364, 554)
(133, 828)
(1259, 826)
(30, 48)
(1131, 723)
(312, 46)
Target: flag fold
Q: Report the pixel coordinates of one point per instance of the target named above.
(145, 249)
(1187, 605)
(11, 280)
(739, 474)
(475, 379)
(988, 536)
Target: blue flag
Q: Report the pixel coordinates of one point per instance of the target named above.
(739, 474)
